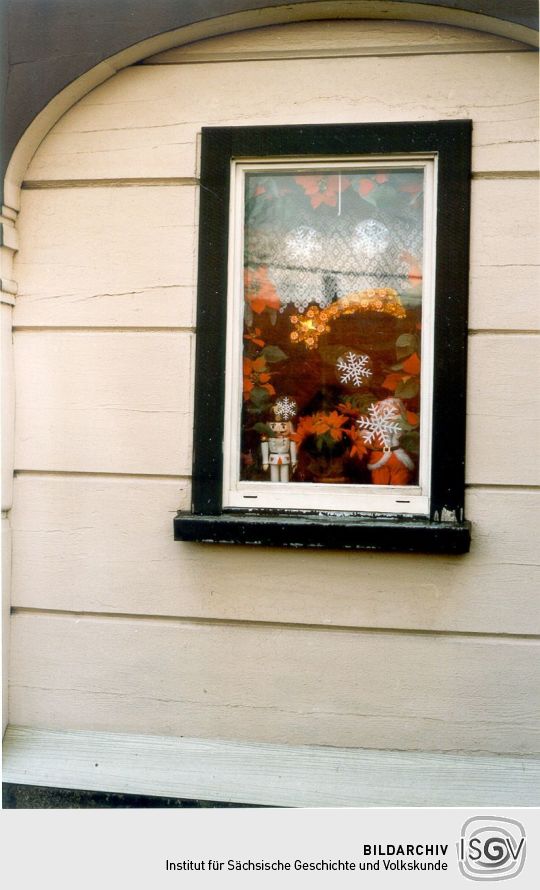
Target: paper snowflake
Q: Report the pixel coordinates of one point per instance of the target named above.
(353, 368)
(381, 426)
(285, 408)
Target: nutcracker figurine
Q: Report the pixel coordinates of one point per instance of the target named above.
(279, 451)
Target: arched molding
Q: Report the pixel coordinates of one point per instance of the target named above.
(269, 14)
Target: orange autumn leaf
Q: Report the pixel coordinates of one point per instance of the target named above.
(412, 364)
(254, 337)
(255, 373)
(257, 305)
(348, 408)
(392, 381)
(412, 418)
(358, 445)
(305, 429)
(248, 366)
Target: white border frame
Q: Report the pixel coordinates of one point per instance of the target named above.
(406, 500)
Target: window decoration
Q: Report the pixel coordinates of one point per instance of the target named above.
(331, 316)
(331, 337)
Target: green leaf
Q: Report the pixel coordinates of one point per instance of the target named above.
(406, 340)
(369, 198)
(406, 344)
(362, 401)
(273, 354)
(403, 352)
(407, 389)
(258, 395)
(406, 427)
(330, 354)
(411, 442)
(263, 429)
(385, 195)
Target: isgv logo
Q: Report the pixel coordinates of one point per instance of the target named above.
(491, 848)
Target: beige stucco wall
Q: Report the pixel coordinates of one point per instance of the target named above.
(115, 626)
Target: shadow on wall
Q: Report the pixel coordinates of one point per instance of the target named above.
(34, 797)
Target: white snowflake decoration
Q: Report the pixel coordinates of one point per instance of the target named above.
(353, 368)
(285, 407)
(380, 427)
(371, 238)
(304, 245)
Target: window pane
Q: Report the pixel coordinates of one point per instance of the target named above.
(331, 328)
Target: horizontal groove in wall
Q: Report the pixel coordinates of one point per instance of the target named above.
(291, 55)
(278, 625)
(21, 471)
(498, 332)
(109, 329)
(32, 184)
(506, 174)
(101, 475)
(145, 182)
(473, 486)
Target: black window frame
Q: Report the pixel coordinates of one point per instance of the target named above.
(445, 530)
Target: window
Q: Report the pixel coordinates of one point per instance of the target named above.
(331, 338)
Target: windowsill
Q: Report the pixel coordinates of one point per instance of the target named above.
(338, 532)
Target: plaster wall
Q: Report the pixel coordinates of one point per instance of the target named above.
(115, 627)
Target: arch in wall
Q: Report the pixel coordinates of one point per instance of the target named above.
(489, 17)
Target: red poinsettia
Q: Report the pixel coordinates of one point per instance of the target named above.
(259, 291)
(404, 381)
(411, 365)
(358, 445)
(254, 336)
(330, 423)
(322, 423)
(368, 183)
(255, 372)
(365, 186)
(323, 189)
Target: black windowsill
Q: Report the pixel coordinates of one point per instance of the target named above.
(339, 532)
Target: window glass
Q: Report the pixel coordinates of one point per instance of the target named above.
(333, 272)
